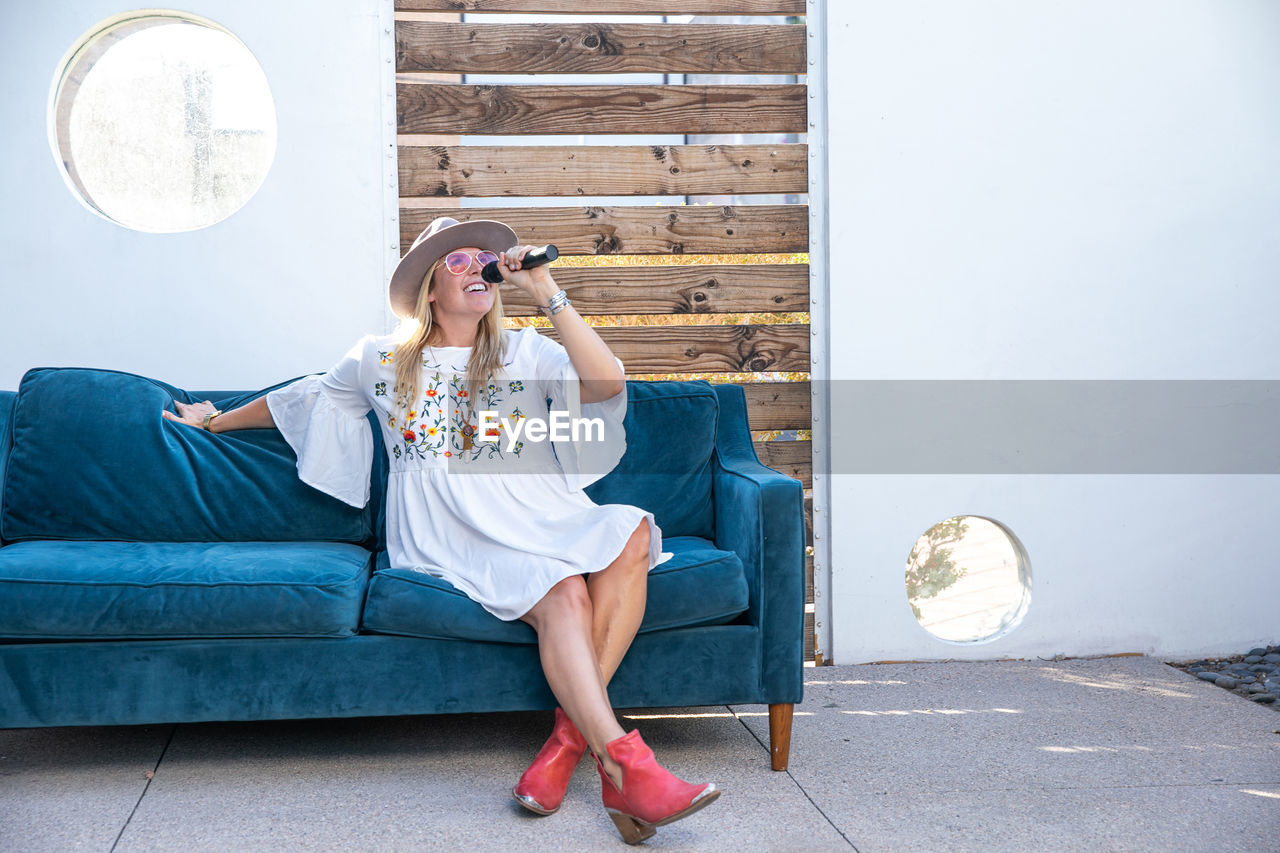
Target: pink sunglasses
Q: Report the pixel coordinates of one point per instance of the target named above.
(459, 262)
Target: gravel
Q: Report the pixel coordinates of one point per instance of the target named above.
(1254, 675)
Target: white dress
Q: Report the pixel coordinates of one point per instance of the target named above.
(503, 521)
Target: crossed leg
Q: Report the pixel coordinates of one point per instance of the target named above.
(584, 629)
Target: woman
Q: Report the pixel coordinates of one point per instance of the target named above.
(503, 520)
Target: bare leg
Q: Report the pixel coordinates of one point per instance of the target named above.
(564, 625)
(618, 594)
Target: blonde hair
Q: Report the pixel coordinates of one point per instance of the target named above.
(416, 333)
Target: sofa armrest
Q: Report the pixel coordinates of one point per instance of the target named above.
(759, 515)
(7, 399)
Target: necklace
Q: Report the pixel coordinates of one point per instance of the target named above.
(465, 408)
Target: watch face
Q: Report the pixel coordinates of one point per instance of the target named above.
(468, 430)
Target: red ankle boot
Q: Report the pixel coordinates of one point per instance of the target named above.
(650, 796)
(541, 788)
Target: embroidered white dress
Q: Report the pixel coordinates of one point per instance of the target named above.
(503, 521)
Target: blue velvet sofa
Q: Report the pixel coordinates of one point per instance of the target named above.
(150, 572)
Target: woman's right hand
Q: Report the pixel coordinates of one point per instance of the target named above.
(191, 414)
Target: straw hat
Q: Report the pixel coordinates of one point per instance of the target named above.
(440, 238)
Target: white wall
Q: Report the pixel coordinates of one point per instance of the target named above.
(282, 287)
(1046, 191)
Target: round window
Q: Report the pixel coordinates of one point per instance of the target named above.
(162, 121)
(968, 580)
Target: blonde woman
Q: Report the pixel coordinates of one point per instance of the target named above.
(503, 520)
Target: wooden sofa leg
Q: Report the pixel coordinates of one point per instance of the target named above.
(780, 734)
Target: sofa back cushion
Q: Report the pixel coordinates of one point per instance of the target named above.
(92, 458)
(671, 435)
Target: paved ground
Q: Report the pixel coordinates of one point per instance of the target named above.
(1111, 754)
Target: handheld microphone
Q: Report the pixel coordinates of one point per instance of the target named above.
(535, 258)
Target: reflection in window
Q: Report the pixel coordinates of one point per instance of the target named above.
(163, 122)
(968, 579)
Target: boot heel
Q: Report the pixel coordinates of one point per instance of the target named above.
(631, 830)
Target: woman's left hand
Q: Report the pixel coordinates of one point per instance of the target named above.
(536, 282)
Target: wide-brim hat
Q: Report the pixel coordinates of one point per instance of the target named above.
(438, 239)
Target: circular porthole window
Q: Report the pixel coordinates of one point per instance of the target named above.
(968, 580)
(162, 121)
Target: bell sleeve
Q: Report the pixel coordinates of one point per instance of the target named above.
(590, 452)
(322, 417)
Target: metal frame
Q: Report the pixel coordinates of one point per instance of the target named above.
(819, 314)
(390, 162)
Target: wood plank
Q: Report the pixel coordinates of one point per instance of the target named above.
(809, 638)
(808, 521)
(472, 171)
(778, 405)
(502, 110)
(666, 230)
(613, 7)
(709, 349)
(792, 458)
(600, 48)
(808, 579)
(706, 289)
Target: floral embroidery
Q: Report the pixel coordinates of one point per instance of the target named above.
(489, 398)
(421, 433)
(435, 426)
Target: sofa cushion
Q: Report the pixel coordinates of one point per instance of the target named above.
(114, 590)
(93, 459)
(698, 586)
(671, 435)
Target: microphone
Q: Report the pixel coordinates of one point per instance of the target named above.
(535, 258)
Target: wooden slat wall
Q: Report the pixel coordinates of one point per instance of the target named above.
(438, 110)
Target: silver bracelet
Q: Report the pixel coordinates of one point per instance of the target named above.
(557, 303)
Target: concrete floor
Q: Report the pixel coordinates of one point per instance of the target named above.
(1110, 754)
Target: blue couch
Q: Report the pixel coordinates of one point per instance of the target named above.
(150, 572)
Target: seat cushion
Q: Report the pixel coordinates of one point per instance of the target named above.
(671, 435)
(700, 585)
(114, 590)
(92, 459)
